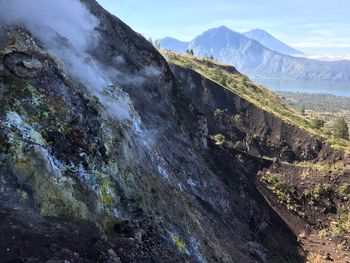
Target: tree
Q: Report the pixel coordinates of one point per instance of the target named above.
(190, 51)
(245, 80)
(340, 128)
(317, 123)
(157, 44)
(223, 80)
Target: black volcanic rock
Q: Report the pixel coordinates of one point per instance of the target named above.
(107, 156)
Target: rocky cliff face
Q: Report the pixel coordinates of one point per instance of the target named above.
(249, 128)
(105, 156)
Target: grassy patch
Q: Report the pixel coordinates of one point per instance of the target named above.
(344, 189)
(230, 79)
(278, 187)
(321, 190)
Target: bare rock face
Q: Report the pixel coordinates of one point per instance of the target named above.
(105, 157)
(23, 65)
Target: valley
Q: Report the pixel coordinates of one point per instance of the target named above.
(340, 89)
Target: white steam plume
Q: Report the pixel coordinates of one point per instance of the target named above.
(44, 18)
(67, 29)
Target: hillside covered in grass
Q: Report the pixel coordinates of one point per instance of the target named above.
(231, 79)
(228, 77)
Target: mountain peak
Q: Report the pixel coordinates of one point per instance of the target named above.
(258, 31)
(269, 41)
(220, 32)
(221, 29)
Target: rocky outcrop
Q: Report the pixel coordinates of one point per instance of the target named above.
(125, 166)
(247, 127)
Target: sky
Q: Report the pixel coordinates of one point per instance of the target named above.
(316, 27)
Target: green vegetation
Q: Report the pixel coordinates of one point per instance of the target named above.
(316, 102)
(340, 128)
(245, 80)
(317, 123)
(320, 191)
(342, 225)
(238, 84)
(312, 197)
(284, 196)
(274, 182)
(344, 189)
(338, 228)
(324, 168)
(190, 51)
(278, 187)
(238, 119)
(258, 95)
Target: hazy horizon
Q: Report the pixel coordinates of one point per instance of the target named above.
(314, 27)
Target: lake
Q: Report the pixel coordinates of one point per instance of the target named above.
(309, 86)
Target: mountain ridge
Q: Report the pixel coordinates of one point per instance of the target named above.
(252, 58)
(269, 41)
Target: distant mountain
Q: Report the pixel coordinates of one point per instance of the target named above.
(228, 46)
(271, 42)
(173, 44)
(254, 59)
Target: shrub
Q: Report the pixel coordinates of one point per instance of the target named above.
(187, 65)
(320, 191)
(340, 128)
(238, 119)
(317, 123)
(219, 138)
(245, 80)
(344, 189)
(278, 185)
(222, 80)
(190, 51)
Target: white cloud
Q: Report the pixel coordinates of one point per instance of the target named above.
(329, 58)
